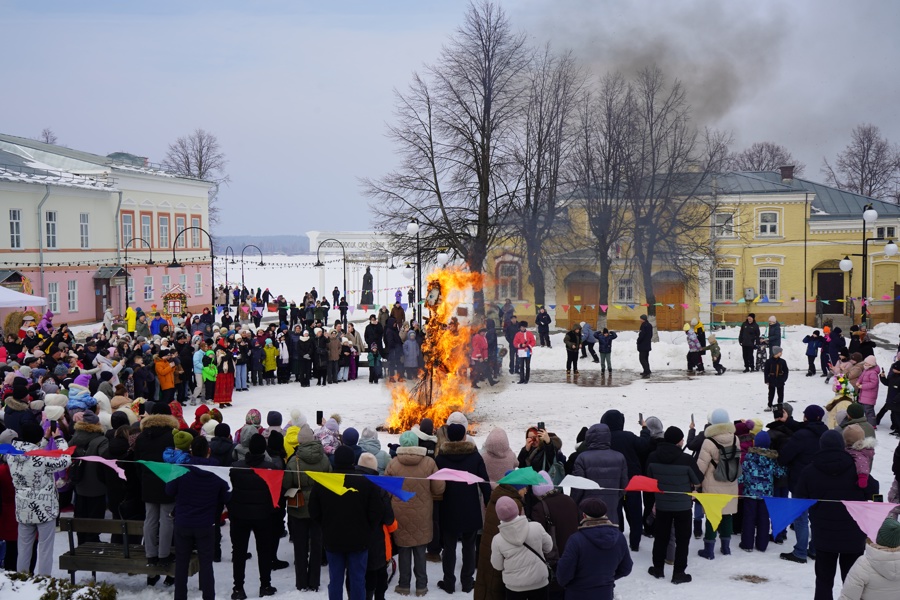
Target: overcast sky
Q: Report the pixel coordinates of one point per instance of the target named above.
(299, 92)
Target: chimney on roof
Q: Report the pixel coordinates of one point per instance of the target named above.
(787, 173)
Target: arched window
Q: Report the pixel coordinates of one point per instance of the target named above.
(509, 281)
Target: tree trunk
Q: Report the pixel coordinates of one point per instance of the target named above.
(475, 262)
(605, 266)
(647, 275)
(536, 277)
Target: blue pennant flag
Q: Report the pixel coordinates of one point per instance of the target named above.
(783, 511)
(826, 301)
(631, 306)
(11, 450)
(392, 485)
(552, 307)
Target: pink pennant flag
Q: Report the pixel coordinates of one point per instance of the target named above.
(454, 475)
(886, 297)
(106, 461)
(869, 515)
(351, 308)
(685, 305)
(527, 304)
(604, 307)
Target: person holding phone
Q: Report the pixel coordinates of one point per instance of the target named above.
(524, 344)
(541, 449)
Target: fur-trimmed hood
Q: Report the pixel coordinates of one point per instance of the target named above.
(865, 443)
(167, 421)
(463, 447)
(719, 429)
(767, 452)
(89, 427)
(13, 404)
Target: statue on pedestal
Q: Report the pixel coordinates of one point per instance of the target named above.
(367, 297)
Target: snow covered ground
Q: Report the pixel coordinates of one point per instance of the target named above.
(566, 407)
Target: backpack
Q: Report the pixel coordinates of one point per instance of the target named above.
(728, 467)
(552, 556)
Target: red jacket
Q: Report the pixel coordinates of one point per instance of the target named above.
(479, 347)
(524, 337)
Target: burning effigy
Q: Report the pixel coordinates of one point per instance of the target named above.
(443, 385)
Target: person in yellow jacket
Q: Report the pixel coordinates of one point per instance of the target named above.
(270, 362)
(130, 320)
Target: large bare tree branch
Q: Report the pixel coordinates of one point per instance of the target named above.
(200, 156)
(869, 165)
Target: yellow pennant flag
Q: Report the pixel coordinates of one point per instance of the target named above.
(756, 299)
(330, 481)
(713, 504)
(618, 306)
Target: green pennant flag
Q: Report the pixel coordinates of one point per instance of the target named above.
(164, 471)
(526, 476)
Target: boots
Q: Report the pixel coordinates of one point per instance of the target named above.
(698, 529)
(726, 546)
(709, 550)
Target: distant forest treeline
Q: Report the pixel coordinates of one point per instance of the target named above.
(269, 244)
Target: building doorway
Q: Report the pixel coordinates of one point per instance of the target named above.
(669, 291)
(830, 287)
(583, 296)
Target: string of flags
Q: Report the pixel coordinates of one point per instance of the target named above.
(633, 305)
(782, 511)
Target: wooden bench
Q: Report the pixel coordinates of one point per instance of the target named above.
(126, 556)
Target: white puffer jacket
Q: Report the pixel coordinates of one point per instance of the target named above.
(874, 576)
(522, 570)
(32, 477)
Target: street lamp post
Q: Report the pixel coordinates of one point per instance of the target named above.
(149, 262)
(227, 249)
(442, 258)
(177, 265)
(261, 263)
(870, 215)
(319, 263)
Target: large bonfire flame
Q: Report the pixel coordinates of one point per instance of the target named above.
(443, 386)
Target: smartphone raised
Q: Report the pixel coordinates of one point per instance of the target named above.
(540, 426)
(640, 418)
(877, 498)
(319, 416)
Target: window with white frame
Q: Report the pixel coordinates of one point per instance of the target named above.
(723, 225)
(198, 284)
(166, 283)
(53, 297)
(72, 295)
(723, 285)
(148, 287)
(84, 230)
(127, 229)
(130, 289)
(768, 284)
(195, 233)
(625, 290)
(768, 223)
(146, 228)
(508, 278)
(889, 233)
(164, 231)
(179, 227)
(182, 281)
(15, 228)
(50, 219)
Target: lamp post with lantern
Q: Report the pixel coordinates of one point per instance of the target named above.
(870, 216)
(412, 229)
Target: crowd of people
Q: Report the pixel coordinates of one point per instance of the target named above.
(121, 393)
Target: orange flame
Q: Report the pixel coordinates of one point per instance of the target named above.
(443, 386)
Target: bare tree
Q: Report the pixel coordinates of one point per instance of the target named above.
(869, 165)
(453, 136)
(200, 156)
(598, 169)
(545, 141)
(668, 183)
(763, 156)
(47, 136)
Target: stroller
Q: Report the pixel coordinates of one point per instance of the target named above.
(762, 353)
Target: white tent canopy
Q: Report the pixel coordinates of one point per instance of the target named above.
(13, 299)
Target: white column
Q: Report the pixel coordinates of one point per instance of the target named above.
(704, 292)
(550, 290)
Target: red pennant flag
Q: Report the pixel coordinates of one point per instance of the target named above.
(565, 307)
(52, 453)
(364, 306)
(273, 479)
(639, 483)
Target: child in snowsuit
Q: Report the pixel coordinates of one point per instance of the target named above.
(716, 354)
(775, 373)
(374, 364)
(759, 471)
(604, 348)
(210, 373)
(862, 449)
(813, 343)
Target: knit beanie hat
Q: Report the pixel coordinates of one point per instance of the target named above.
(351, 436)
(343, 457)
(90, 418)
(408, 439)
(273, 418)
(855, 411)
(306, 434)
(368, 460)
(426, 426)
(19, 392)
(119, 418)
(593, 507)
(332, 425)
(60, 370)
(762, 440)
(889, 534)
(257, 444)
(370, 433)
(456, 432)
(183, 440)
(545, 488)
(852, 434)
(813, 412)
(297, 418)
(84, 380)
(507, 509)
(673, 435)
(222, 430)
(788, 408)
(776, 350)
(216, 415)
(831, 440)
(719, 416)
(253, 417)
(54, 413)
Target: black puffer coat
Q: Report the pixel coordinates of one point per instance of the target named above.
(461, 506)
(798, 451)
(600, 463)
(155, 437)
(635, 449)
(250, 498)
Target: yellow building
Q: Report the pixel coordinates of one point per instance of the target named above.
(778, 243)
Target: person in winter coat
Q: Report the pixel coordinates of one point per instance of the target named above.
(697, 327)
(411, 352)
(499, 458)
(759, 472)
(775, 375)
(270, 361)
(460, 510)
(90, 487)
(489, 583)
(380, 550)
(130, 320)
(517, 552)
(542, 320)
(813, 343)
(644, 345)
(558, 514)
(221, 446)
(414, 517)
(587, 341)
(17, 412)
(694, 347)
(748, 338)
(867, 384)
(876, 574)
(427, 439)
(250, 511)
(510, 329)
(37, 503)
(393, 345)
(891, 380)
(603, 465)
(835, 345)
(773, 334)
(862, 450)
(540, 450)
(796, 453)
(716, 354)
(347, 523)
(720, 434)
(635, 450)
(836, 537)
(305, 532)
(572, 342)
(674, 471)
(595, 557)
(142, 327)
(604, 348)
(524, 343)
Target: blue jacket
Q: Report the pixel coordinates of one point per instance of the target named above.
(759, 471)
(199, 498)
(80, 399)
(156, 324)
(813, 344)
(198, 360)
(604, 342)
(595, 556)
(587, 334)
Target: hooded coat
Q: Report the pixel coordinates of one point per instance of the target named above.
(32, 477)
(489, 584)
(674, 471)
(461, 507)
(603, 465)
(635, 449)
(309, 456)
(874, 576)
(522, 570)
(498, 456)
(867, 384)
(373, 447)
(414, 517)
(724, 434)
(90, 441)
(411, 351)
(595, 557)
(151, 444)
(799, 449)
